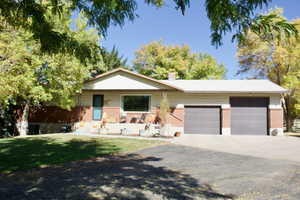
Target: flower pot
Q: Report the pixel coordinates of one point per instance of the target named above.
(177, 134)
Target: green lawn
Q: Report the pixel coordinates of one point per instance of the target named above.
(40, 151)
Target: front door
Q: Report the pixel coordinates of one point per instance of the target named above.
(97, 107)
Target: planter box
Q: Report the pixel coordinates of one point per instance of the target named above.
(166, 130)
(146, 133)
(125, 128)
(135, 129)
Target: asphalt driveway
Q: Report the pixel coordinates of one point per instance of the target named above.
(162, 172)
(244, 177)
(279, 147)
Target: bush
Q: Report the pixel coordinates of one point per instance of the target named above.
(8, 121)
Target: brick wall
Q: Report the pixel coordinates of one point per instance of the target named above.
(276, 118)
(53, 114)
(112, 114)
(176, 117)
(226, 116)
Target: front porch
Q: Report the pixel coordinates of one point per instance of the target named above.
(126, 129)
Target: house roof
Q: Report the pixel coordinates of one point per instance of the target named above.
(227, 86)
(205, 86)
(134, 74)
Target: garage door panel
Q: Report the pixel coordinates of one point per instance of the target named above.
(249, 116)
(202, 120)
(252, 114)
(203, 131)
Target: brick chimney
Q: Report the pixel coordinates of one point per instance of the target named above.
(172, 76)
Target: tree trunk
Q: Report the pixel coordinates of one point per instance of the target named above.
(289, 124)
(23, 128)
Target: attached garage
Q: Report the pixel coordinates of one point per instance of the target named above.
(202, 120)
(249, 115)
(123, 99)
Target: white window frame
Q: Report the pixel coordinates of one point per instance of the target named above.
(122, 103)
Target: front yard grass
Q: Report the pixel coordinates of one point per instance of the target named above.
(41, 151)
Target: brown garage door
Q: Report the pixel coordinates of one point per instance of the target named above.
(202, 120)
(249, 115)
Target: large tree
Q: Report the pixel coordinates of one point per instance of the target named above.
(30, 77)
(157, 60)
(277, 60)
(225, 16)
(111, 60)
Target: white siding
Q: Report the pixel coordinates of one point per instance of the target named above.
(179, 99)
(275, 101)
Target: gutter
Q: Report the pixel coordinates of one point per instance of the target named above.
(248, 92)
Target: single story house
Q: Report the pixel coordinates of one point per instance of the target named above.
(218, 107)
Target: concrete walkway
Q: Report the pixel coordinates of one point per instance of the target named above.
(280, 147)
(123, 136)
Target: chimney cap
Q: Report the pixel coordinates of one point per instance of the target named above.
(172, 76)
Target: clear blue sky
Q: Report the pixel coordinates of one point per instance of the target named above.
(192, 29)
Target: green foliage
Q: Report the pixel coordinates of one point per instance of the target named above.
(111, 60)
(157, 60)
(226, 16)
(31, 15)
(7, 120)
(270, 27)
(28, 75)
(277, 60)
(36, 18)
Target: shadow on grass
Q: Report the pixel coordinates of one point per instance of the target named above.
(115, 177)
(27, 153)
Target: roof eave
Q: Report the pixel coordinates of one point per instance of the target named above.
(89, 89)
(222, 92)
